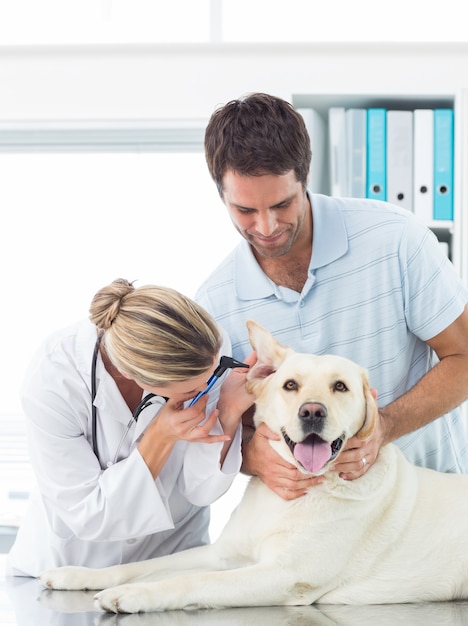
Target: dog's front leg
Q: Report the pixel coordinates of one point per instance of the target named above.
(74, 578)
(256, 585)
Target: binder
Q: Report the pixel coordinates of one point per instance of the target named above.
(376, 175)
(423, 191)
(400, 158)
(316, 127)
(445, 247)
(443, 164)
(356, 140)
(337, 147)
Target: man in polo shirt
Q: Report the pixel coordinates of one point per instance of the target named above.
(359, 278)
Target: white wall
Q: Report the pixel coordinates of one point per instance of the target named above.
(189, 81)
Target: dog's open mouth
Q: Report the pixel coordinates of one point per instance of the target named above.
(314, 453)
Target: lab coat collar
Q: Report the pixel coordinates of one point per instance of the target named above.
(330, 242)
(108, 399)
(85, 342)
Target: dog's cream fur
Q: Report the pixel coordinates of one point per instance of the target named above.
(397, 534)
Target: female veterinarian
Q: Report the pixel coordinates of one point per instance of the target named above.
(126, 466)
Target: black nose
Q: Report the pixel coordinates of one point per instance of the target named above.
(313, 414)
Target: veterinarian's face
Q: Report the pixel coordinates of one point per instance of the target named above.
(270, 212)
(183, 390)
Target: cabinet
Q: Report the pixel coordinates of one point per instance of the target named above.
(453, 232)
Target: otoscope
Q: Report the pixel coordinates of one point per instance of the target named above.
(225, 362)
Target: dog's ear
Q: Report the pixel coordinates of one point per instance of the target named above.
(270, 353)
(371, 410)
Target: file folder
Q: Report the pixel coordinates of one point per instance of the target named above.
(443, 164)
(423, 192)
(376, 154)
(316, 127)
(400, 158)
(337, 146)
(356, 140)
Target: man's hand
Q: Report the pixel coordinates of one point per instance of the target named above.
(260, 459)
(359, 454)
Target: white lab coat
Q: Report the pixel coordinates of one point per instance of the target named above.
(86, 512)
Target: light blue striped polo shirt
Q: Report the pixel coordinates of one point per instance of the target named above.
(378, 286)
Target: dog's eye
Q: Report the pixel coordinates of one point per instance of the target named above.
(290, 385)
(340, 386)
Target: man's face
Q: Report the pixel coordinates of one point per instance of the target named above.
(268, 211)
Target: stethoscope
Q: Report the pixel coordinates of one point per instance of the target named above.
(226, 362)
(146, 402)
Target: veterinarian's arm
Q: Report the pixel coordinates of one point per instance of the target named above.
(260, 459)
(443, 388)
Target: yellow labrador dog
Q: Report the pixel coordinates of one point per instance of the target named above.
(397, 534)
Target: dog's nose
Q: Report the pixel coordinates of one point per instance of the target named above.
(314, 414)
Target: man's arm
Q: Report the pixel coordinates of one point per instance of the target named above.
(441, 389)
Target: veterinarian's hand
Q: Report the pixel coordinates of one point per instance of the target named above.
(260, 459)
(359, 454)
(173, 423)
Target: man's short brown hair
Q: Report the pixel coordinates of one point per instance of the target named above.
(256, 135)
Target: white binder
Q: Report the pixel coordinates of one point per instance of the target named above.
(400, 158)
(423, 196)
(316, 127)
(356, 144)
(337, 146)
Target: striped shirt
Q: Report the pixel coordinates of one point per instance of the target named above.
(379, 285)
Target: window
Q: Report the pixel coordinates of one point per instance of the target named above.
(65, 22)
(29, 22)
(75, 220)
(340, 20)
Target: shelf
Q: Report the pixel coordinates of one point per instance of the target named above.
(445, 230)
(322, 102)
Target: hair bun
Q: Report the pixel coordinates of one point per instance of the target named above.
(106, 304)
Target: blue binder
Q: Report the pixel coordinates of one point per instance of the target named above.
(443, 164)
(376, 154)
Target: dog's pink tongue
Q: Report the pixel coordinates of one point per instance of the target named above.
(312, 453)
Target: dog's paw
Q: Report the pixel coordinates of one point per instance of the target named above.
(70, 578)
(126, 599)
